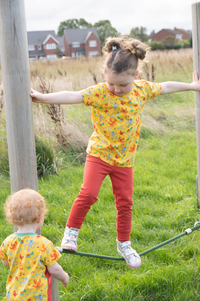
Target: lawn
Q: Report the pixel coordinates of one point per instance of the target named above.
(164, 199)
(164, 206)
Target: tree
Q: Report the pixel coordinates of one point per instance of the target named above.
(169, 40)
(105, 29)
(139, 33)
(84, 24)
(72, 23)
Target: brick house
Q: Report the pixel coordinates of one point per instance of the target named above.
(81, 42)
(43, 44)
(184, 34)
(178, 34)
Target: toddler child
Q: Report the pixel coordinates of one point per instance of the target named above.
(32, 258)
(117, 105)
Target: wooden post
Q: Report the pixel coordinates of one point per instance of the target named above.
(16, 87)
(18, 104)
(196, 64)
(55, 292)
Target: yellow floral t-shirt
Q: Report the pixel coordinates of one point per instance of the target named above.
(117, 121)
(28, 255)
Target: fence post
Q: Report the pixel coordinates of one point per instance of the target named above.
(196, 64)
(18, 105)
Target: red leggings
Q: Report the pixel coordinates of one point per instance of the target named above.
(122, 183)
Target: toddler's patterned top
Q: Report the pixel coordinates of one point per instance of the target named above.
(28, 255)
(117, 121)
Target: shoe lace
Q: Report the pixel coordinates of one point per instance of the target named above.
(73, 234)
(128, 251)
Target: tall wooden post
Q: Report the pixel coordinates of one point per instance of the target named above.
(196, 63)
(18, 104)
(16, 87)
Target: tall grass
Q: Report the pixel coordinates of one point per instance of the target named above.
(71, 132)
(164, 187)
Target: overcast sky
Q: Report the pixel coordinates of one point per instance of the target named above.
(123, 14)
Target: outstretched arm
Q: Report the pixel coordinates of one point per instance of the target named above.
(64, 97)
(172, 87)
(57, 272)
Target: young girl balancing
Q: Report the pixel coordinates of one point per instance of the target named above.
(117, 105)
(32, 258)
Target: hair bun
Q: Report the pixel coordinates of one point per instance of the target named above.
(138, 48)
(123, 53)
(112, 44)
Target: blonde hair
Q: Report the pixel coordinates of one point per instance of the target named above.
(24, 207)
(123, 54)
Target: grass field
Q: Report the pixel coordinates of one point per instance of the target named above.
(164, 193)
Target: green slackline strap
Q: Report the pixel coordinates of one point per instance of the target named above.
(187, 232)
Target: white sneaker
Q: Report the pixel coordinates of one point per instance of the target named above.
(132, 258)
(69, 241)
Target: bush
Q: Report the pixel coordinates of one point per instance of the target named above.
(4, 163)
(169, 40)
(185, 43)
(175, 46)
(155, 45)
(45, 158)
(190, 41)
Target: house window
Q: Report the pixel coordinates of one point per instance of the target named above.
(51, 56)
(93, 43)
(93, 53)
(31, 47)
(75, 44)
(179, 37)
(39, 47)
(51, 46)
(73, 54)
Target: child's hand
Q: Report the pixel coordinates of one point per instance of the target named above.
(36, 96)
(65, 282)
(196, 82)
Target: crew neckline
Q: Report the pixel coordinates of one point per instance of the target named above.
(25, 234)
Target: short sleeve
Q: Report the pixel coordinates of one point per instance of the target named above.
(51, 255)
(93, 96)
(3, 255)
(149, 89)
